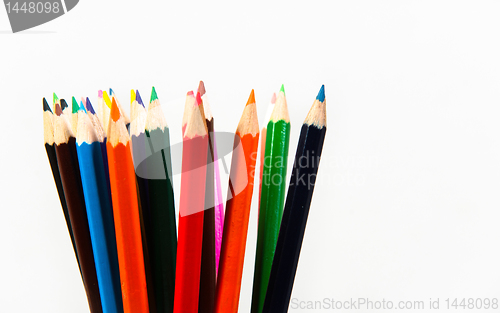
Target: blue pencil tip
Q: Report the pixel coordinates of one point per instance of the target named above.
(138, 98)
(82, 108)
(321, 94)
(89, 106)
(110, 91)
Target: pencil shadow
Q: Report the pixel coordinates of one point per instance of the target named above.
(6, 32)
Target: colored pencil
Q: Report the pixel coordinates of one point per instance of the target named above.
(48, 136)
(191, 205)
(99, 211)
(140, 153)
(298, 202)
(160, 194)
(188, 108)
(242, 174)
(67, 160)
(272, 197)
(73, 116)
(263, 133)
(208, 267)
(120, 107)
(218, 200)
(126, 215)
(103, 110)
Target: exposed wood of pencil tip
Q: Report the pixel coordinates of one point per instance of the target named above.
(138, 122)
(96, 123)
(86, 132)
(196, 124)
(317, 113)
(249, 123)
(155, 118)
(48, 124)
(190, 102)
(280, 110)
(62, 129)
(117, 132)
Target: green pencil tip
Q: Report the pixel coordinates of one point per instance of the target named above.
(154, 96)
(55, 98)
(282, 88)
(74, 106)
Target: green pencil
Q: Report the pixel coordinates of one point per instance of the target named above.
(272, 197)
(161, 204)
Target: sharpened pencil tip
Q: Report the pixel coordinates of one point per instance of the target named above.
(111, 92)
(251, 99)
(190, 93)
(282, 88)
(64, 104)
(132, 95)
(201, 88)
(46, 106)
(89, 106)
(273, 98)
(154, 96)
(74, 105)
(58, 109)
(115, 113)
(106, 99)
(321, 94)
(138, 98)
(82, 107)
(99, 93)
(198, 98)
(55, 98)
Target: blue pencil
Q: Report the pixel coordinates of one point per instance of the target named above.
(99, 212)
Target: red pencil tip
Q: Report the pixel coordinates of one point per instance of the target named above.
(115, 113)
(251, 99)
(190, 93)
(273, 99)
(58, 109)
(198, 98)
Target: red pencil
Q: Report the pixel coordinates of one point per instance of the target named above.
(191, 206)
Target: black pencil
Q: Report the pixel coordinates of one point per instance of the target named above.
(48, 136)
(67, 160)
(208, 271)
(298, 201)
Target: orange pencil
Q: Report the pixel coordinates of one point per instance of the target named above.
(234, 236)
(126, 215)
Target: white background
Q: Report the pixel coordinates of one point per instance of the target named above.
(407, 202)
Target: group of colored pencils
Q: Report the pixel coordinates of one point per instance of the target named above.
(114, 175)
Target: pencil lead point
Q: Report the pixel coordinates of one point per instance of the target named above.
(115, 113)
(273, 98)
(55, 98)
(46, 106)
(251, 99)
(111, 92)
(198, 98)
(63, 104)
(201, 88)
(321, 94)
(154, 96)
(74, 105)
(58, 109)
(190, 93)
(89, 106)
(82, 107)
(99, 94)
(132, 95)
(106, 98)
(282, 89)
(138, 98)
